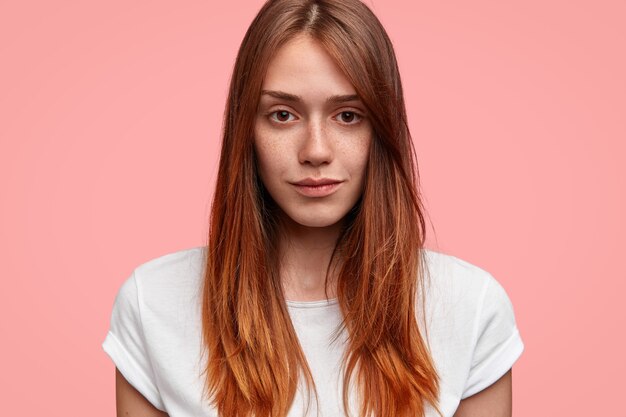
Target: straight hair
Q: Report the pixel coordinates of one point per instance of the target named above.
(255, 360)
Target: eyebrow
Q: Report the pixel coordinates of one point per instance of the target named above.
(335, 99)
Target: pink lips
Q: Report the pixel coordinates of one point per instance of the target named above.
(311, 187)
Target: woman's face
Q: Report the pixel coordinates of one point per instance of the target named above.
(312, 136)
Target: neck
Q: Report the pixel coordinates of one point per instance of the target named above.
(305, 254)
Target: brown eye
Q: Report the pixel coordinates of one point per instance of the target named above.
(281, 116)
(348, 117)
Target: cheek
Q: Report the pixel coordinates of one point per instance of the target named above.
(268, 154)
(356, 156)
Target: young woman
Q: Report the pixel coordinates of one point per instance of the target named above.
(314, 294)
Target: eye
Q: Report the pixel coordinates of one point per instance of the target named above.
(281, 116)
(349, 117)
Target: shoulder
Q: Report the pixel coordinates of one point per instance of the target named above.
(171, 270)
(465, 285)
(472, 327)
(455, 278)
(155, 313)
(170, 281)
(457, 287)
(173, 263)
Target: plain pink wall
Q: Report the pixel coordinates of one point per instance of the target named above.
(110, 117)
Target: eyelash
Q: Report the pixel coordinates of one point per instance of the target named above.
(358, 116)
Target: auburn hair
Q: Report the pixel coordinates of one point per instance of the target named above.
(255, 360)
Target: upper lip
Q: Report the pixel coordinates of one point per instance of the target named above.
(314, 182)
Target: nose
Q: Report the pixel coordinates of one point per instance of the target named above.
(316, 146)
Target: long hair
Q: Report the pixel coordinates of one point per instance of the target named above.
(255, 361)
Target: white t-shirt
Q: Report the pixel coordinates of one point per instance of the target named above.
(155, 335)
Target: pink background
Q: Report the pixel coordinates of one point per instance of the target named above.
(110, 118)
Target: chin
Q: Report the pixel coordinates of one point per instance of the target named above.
(318, 223)
(315, 219)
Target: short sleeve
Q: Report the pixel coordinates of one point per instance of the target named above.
(125, 343)
(498, 343)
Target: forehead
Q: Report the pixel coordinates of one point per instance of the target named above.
(303, 67)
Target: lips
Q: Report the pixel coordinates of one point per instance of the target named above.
(312, 182)
(322, 187)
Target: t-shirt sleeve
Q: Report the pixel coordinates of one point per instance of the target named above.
(498, 343)
(125, 343)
